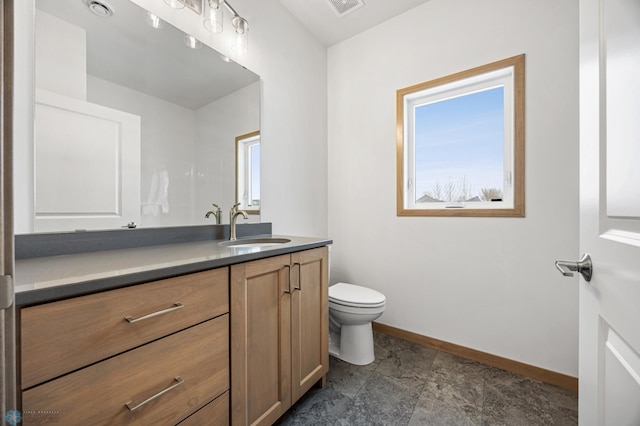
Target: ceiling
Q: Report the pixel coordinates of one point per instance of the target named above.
(320, 17)
(124, 50)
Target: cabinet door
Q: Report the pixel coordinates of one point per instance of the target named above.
(260, 341)
(309, 319)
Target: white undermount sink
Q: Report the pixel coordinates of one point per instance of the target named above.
(255, 242)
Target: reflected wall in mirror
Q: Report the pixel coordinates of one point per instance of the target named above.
(132, 125)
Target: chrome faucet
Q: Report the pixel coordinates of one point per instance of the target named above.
(233, 216)
(217, 213)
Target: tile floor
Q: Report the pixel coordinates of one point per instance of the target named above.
(412, 385)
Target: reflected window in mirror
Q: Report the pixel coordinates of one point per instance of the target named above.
(248, 172)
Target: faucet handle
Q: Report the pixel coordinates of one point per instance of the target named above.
(215, 205)
(235, 207)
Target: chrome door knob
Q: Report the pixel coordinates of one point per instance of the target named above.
(582, 266)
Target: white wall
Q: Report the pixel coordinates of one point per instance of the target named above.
(193, 149)
(168, 151)
(485, 283)
(223, 120)
(61, 49)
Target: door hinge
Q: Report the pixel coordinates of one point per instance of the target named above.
(6, 291)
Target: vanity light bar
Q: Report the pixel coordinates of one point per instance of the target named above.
(213, 13)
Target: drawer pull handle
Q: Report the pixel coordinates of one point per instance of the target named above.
(179, 380)
(175, 307)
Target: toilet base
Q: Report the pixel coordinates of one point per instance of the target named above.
(353, 344)
(334, 343)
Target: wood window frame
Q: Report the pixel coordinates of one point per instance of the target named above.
(241, 174)
(517, 209)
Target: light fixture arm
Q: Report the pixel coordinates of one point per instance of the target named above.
(230, 8)
(239, 23)
(219, 3)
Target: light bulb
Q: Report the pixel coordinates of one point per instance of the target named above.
(240, 43)
(191, 41)
(153, 20)
(214, 16)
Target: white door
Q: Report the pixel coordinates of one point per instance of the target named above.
(102, 191)
(609, 372)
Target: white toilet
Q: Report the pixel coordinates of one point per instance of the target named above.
(352, 308)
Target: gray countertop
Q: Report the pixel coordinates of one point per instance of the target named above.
(45, 279)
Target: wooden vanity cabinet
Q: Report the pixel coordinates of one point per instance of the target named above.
(235, 345)
(279, 333)
(309, 320)
(99, 359)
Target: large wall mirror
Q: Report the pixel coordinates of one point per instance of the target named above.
(133, 123)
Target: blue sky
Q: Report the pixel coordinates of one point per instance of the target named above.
(460, 137)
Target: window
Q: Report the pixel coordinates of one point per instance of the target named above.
(248, 172)
(460, 143)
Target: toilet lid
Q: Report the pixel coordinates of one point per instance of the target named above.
(355, 295)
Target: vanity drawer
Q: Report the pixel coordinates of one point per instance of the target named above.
(99, 394)
(215, 413)
(60, 337)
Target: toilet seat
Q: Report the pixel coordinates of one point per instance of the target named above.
(355, 296)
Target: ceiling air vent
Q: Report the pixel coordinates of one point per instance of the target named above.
(99, 8)
(343, 7)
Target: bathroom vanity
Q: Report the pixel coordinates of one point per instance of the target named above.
(189, 333)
